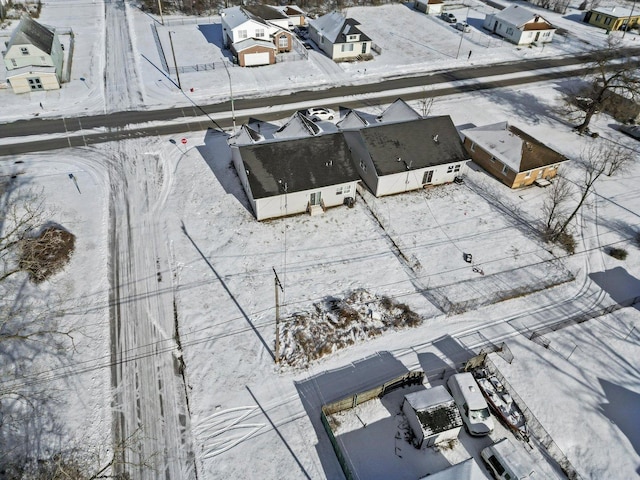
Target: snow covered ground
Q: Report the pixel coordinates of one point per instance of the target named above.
(217, 261)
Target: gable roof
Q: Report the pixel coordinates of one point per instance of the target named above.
(352, 120)
(398, 111)
(518, 16)
(467, 470)
(301, 164)
(421, 143)
(31, 32)
(298, 126)
(435, 410)
(513, 147)
(236, 16)
(253, 42)
(335, 27)
(265, 12)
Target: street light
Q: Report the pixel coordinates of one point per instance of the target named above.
(233, 112)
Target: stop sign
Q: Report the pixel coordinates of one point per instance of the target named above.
(184, 141)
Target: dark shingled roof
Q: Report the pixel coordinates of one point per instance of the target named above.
(301, 164)
(350, 28)
(427, 142)
(31, 32)
(265, 12)
(439, 418)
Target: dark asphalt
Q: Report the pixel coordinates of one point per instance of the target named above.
(116, 123)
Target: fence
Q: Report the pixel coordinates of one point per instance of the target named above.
(200, 67)
(410, 378)
(534, 425)
(190, 21)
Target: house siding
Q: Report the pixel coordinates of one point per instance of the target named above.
(483, 158)
(518, 36)
(412, 179)
(256, 49)
(610, 22)
(338, 54)
(20, 83)
(276, 41)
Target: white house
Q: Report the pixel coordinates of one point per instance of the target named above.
(33, 57)
(252, 39)
(432, 415)
(430, 7)
(519, 26)
(466, 470)
(404, 155)
(286, 177)
(339, 37)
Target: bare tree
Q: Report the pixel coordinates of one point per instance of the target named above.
(611, 76)
(554, 206)
(596, 159)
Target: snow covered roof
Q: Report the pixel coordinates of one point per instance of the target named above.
(352, 120)
(236, 16)
(298, 126)
(516, 15)
(514, 148)
(253, 42)
(618, 12)
(301, 164)
(30, 32)
(335, 27)
(435, 410)
(30, 70)
(466, 470)
(428, 398)
(290, 10)
(398, 111)
(412, 145)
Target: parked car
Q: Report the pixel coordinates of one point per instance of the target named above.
(471, 403)
(507, 461)
(448, 17)
(320, 113)
(631, 130)
(307, 45)
(463, 27)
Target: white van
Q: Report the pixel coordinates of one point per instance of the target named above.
(472, 405)
(507, 461)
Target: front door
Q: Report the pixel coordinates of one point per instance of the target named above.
(315, 199)
(427, 177)
(537, 37)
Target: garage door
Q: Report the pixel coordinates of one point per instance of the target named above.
(252, 59)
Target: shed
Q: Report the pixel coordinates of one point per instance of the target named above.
(432, 415)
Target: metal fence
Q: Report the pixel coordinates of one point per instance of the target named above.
(200, 67)
(191, 21)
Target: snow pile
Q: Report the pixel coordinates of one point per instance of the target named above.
(338, 323)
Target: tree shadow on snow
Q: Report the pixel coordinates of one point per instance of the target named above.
(330, 386)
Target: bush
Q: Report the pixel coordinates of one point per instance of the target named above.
(46, 254)
(568, 242)
(618, 253)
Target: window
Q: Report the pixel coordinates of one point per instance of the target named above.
(505, 170)
(493, 159)
(347, 47)
(607, 21)
(24, 50)
(364, 48)
(509, 31)
(345, 189)
(242, 34)
(528, 175)
(496, 465)
(456, 168)
(260, 32)
(363, 166)
(13, 62)
(35, 83)
(450, 169)
(283, 41)
(546, 34)
(473, 146)
(428, 176)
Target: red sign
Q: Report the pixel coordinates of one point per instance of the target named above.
(184, 141)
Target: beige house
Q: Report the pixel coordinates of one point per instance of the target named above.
(33, 57)
(511, 155)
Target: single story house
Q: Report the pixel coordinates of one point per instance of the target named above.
(432, 415)
(520, 26)
(612, 18)
(430, 7)
(339, 37)
(33, 57)
(286, 177)
(466, 470)
(395, 157)
(511, 155)
(240, 25)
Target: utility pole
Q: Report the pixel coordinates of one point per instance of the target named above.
(277, 285)
(629, 21)
(233, 112)
(174, 60)
(160, 10)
